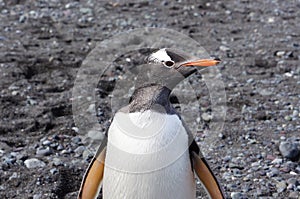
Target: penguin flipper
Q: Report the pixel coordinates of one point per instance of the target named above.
(207, 177)
(91, 182)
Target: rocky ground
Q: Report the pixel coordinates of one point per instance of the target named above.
(42, 46)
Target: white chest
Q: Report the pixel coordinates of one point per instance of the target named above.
(147, 157)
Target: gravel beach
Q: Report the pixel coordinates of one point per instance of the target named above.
(43, 44)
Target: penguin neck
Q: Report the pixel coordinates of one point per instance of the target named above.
(151, 97)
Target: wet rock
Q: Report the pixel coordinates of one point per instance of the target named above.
(289, 150)
(34, 163)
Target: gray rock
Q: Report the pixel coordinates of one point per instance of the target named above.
(86, 11)
(224, 48)
(53, 171)
(236, 195)
(79, 150)
(95, 135)
(264, 92)
(37, 196)
(273, 172)
(289, 150)
(34, 163)
(60, 147)
(281, 186)
(14, 175)
(47, 142)
(206, 117)
(294, 194)
(22, 18)
(76, 140)
(288, 118)
(277, 161)
(57, 162)
(293, 181)
(44, 152)
(291, 187)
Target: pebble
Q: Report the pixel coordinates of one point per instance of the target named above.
(79, 150)
(288, 118)
(22, 18)
(265, 92)
(13, 176)
(95, 135)
(60, 147)
(206, 117)
(76, 140)
(224, 48)
(76, 129)
(277, 161)
(289, 150)
(37, 196)
(53, 171)
(293, 181)
(279, 53)
(34, 163)
(47, 142)
(294, 194)
(236, 195)
(281, 186)
(273, 172)
(221, 136)
(57, 162)
(86, 11)
(44, 152)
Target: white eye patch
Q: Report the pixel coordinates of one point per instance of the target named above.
(160, 56)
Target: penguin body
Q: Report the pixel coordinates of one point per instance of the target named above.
(149, 152)
(160, 179)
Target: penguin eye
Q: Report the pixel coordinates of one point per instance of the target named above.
(169, 64)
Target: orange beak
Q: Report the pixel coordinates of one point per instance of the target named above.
(203, 62)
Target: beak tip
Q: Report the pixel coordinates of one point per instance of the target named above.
(217, 60)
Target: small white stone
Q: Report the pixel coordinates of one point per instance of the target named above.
(277, 161)
(224, 48)
(34, 163)
(76, 129)
(271, 20)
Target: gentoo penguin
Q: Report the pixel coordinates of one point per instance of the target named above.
(149, 152)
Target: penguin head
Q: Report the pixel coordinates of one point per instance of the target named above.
(170, 66)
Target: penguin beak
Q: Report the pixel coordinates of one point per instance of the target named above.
(203, 62)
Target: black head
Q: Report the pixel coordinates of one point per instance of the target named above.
(169, 66)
